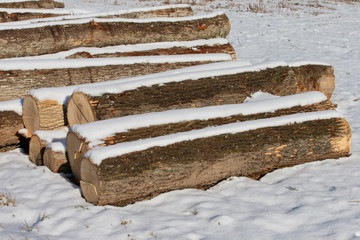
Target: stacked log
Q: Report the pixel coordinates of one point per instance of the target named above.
(10, 123)
(84, 137)
(35, 4)
(201, 158)
(55, 157)
(227, 86)
(45, 108)
(17, 77)
(40, 139)
(44, 38)
(11, 15)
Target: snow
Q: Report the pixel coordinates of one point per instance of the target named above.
(58, 145)
(53, 11)
(126, 48)
(62, 94)
(318, 200)
(12, 105)
(98, 154)
(52, 135)
(80, 63)
(16, 25)
(110, 127)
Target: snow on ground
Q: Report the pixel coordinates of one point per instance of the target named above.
(319, 200)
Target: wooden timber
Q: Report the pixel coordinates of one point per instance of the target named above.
(56, 161)
(77, 146)
(21, 16)
(203, 162)
(36, 149)
(35, 4)
(46, 39)
(10, 123)
(223, 89)
(200, 49)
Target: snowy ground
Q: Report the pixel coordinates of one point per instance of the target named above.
(319, 200)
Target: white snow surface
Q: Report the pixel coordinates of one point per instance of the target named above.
(88, 62)
(318, 200)
(52, 135)
(12, 105)
(27, 25)
(62, 94)
(98, 154)
(53, 11)
(109, 127)
(58, 145)
(125, 48)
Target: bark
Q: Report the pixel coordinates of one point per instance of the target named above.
(201, 163)
(201, 49)
(36, 149)
(61, 37)
(16, 83)
(56, 161)
(12, 17)
(225, 89)
(77, 146)
(42, 4)
(10, 124)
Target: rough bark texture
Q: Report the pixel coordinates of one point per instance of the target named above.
(42, 4)
(225, 89)
(203, 162)
(201, 49)
(10, 124)
(51, 39)
(12, 17)
(36, 149)
(78, 146)
(16, 83)
(56, 161)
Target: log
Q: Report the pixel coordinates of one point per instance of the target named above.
(45, 38)
(17, 77)
(55, 158)
(6, 16)
(40, 139)
(179, 10)
(89, 104)
(10, 123)
(35, 4)
(84, 137)
(45, 108)
(133, 171)
(163, 48)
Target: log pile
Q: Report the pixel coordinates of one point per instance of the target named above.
(135, 136)
(35, 4)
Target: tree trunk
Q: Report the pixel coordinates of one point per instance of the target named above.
(40, 38)
(202, 162)
(165, 124)
(56, 160)
(21, 16)
(36, 149)
(16, 83)
(197, 92)
(10, 123)
(42, 4)
(197, 49)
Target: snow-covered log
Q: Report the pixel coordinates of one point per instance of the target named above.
(35, 4)
(196, 89)
(10, 123)
(84, 137)
(17, 77)
(55, 157)
(11, 16)
(127, 172)
(50, 37)
(40, 139)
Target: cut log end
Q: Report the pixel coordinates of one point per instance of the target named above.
(56, 161)
(89, 192)
(79, 110)
(36, 150)
(75, 150)
(30, 114)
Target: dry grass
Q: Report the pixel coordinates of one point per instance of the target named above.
(7, 200)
